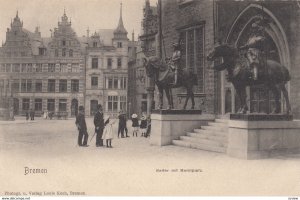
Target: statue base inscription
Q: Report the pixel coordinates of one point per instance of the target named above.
(262, 136)
(167, 125)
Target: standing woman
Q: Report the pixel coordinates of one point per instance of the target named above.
(108, 131)
(135, 124)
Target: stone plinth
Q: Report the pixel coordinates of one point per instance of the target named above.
(167, 125)
(261, 136)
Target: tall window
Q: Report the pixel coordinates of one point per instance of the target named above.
(16, 85)
(64, 42)
(75, 68)
(23, 68)
(51, 85)
(63, 85)
(2, 68)
(193, 53)
(51, 105)
(26, 85)
(112, 103)
(119, 63)
(109, 63)
(38, 104)
(63, 52)
(123, 82)
(110, 83)
(94, 63)
(56, 53)
(74, 85)
(8, 68)
(16, 68)
(94, 81)
(94, 44)
(62, 106)
(51, 67)
(71, 53)
(38, 85)
(25, 104)
(63, 68)
(39, 67)
(122, 102)
(116, 83)
(29, 67)
(119, 45)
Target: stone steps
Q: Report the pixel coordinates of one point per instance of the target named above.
(212, 137)
(195, 145)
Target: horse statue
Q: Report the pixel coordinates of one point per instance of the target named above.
(163, 77)
(272, 74)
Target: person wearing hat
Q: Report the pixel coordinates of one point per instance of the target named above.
(143, 126)
(135, 124)
(81, 126)
(176, 56)
(108, 131)
(122, 124)
(99, 125)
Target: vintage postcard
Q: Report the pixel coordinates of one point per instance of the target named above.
(149, 98)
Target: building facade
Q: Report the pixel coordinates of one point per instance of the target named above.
(107, 70)
(43, 73)
(201, 24)
(62, 72)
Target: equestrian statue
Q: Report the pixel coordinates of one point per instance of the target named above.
(170, 74)
(257, 70)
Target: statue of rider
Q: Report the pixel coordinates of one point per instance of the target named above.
(175, 60)
(255, 48)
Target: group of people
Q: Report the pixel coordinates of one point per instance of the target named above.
(104, 127)
(30, 114)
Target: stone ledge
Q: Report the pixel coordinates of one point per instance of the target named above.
(177, 112)
(264, 124)
(261, 117)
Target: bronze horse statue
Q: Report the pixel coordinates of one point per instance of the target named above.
(163, 77)
(272, 74)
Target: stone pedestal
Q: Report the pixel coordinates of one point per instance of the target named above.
(261, 136)
(167, 125)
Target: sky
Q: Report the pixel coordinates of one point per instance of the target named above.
(95, 14)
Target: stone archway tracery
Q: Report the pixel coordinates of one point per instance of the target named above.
(274, 31)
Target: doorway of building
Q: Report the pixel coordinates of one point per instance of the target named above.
(74, 107)
(16, 106)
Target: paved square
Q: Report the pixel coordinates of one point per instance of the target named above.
(132, 167)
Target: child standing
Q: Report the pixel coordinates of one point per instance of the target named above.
(143, 126)
(108, 131)
(135, 124)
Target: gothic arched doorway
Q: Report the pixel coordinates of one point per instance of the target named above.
(260, 100)
(74, 107)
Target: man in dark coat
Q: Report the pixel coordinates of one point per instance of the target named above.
(81, 126)
(99, 125)
(121, 124)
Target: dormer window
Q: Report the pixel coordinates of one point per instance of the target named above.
(119, 44)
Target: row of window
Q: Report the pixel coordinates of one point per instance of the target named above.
(29, 68)
(26, 85)
(64, 52)
(38, 104)
(109, 61)
(110, 82)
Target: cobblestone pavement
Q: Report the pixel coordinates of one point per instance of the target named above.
(132, 167)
